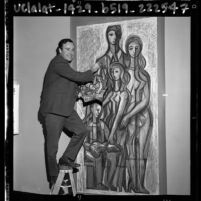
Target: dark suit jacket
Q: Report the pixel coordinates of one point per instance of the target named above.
(60, 87)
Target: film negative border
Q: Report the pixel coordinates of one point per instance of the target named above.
(100, 8)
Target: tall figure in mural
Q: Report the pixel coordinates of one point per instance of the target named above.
(138, 119)
(114, 53)
(118, 97)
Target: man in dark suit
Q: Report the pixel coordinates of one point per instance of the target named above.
(56, 112)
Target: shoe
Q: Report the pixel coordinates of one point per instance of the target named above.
(68, 163)
(75, 170)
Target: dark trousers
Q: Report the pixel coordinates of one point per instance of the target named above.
(54, 125)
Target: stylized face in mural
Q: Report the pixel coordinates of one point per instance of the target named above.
(96, 109)
(116, 73)
(112, 37)
(67, 51)
(134, 49)
(133, 46)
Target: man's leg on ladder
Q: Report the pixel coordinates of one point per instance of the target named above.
(74, 124)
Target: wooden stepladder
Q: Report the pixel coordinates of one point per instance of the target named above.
(65, 182)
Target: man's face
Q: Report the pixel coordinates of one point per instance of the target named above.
(67, 51)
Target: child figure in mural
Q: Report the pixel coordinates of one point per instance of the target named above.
(138, 119)
(95, 146)
(115, 168)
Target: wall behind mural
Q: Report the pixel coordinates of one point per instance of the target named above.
(120, 156)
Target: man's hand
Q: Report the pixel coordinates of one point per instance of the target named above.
(95, 68)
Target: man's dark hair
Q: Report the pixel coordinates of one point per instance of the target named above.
(61, 42)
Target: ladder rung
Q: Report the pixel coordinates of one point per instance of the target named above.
(65, 186)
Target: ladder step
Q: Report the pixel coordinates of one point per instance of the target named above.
(62, 183)
(65, 186)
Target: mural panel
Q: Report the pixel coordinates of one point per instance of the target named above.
(120, 156)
